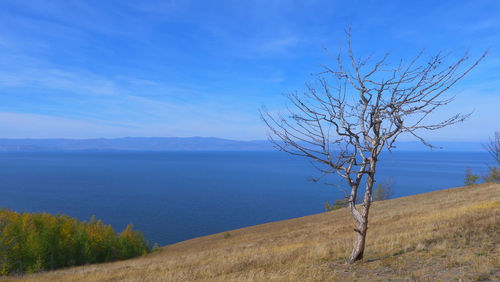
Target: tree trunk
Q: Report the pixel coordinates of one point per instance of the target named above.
(359, 244)
(362, 219)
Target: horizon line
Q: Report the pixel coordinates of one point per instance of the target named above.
(201, 137)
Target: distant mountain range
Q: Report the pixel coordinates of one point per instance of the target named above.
(134, 144)
(185, 144)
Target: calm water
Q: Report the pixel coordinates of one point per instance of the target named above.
(173, 196)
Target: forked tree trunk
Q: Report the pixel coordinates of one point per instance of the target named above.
(362, 222)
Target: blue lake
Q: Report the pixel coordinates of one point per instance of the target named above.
(174, 196)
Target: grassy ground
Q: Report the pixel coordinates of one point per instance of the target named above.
(444, 235)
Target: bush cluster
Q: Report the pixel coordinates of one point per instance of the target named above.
(339, 203)
(492, 176)
(33, 242)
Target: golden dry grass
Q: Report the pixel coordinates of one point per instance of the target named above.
(443, 235)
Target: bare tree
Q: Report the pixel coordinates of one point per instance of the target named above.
(493, 147)
(353, 111)
(384, 190)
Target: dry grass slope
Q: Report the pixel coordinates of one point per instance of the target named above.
(443, 235)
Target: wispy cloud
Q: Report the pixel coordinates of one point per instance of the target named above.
(186, 68)
(96, 106)
(22, 125)
(277, 46)
(57, 79)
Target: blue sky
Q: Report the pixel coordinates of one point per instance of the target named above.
(84, 69)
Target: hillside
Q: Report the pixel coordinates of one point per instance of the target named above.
(448, 234)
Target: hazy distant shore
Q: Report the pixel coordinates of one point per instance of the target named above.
(186, 144)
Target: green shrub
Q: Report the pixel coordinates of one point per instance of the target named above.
(33, 242)
(337, 205)
(328, 206)
(156, 248)
(227, 235)
(340, 204)
(493, 174)
(470, 178)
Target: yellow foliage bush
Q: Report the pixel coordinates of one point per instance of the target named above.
(32, 242)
